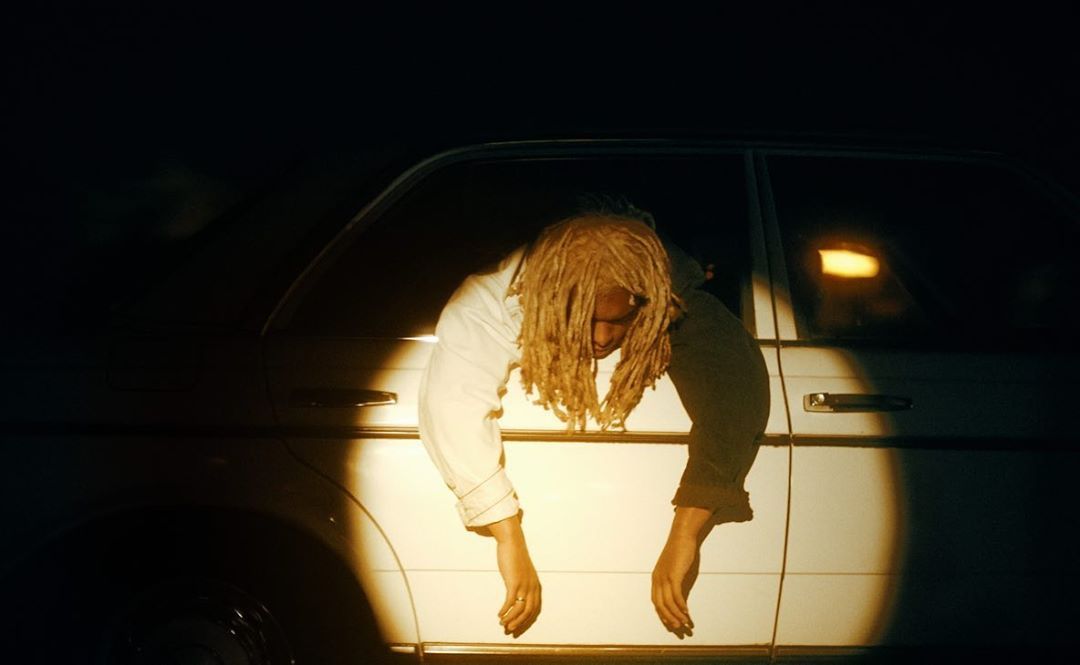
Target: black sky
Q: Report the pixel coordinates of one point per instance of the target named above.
(113, 92)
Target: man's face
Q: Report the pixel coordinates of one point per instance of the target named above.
(614, 312)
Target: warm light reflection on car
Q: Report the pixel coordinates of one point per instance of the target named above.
(844, 542)
(848, 512)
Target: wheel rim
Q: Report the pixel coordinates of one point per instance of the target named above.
(196, 622)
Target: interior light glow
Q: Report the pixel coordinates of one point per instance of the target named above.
(848, 263)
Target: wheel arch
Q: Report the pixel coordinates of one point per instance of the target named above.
(286, 566)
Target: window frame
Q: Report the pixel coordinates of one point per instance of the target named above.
(759, 322)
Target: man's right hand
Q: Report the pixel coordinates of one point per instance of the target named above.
(522, 603)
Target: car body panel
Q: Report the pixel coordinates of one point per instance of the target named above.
(584, 522)
(131, 426)
(936, 524)
(590, 609)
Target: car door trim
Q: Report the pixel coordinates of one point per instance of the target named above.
(1063, 443)
(747, 653)
(516, 435)
(323, 432)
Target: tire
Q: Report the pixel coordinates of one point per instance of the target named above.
(187, 588)
(194, 620)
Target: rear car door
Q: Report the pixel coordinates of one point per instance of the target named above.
(927, 322)
(344, 360)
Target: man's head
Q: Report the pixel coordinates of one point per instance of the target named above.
(593, 283)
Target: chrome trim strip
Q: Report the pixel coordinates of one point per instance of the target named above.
(927, 653)
(961, 155)
(1064, 442)
(409, 649)
(595, 651)
(779, 280)
(595, 437)
(319, 432)
(547, 436)
(797, 653)
(507, 435)
(1043, 443)
(759, 262)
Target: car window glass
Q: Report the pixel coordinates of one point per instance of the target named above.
(882, 249)
(396, 274)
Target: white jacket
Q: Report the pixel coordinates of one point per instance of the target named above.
(460, 392)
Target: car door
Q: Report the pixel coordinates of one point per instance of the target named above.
(344, 360)
(927, 323)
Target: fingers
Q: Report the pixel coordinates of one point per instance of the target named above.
(668, 595)
(528, 614)
(680, 602)
(662, 610)
(520, 609)
(512, 608)
(509, 604)
(670, 605)
(522, 602)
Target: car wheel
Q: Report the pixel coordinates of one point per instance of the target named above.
(186, 589)
(195, 622)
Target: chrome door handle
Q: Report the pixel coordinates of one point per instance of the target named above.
(854, 403)
(340, 398)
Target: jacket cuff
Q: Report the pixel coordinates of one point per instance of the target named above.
(488, 502)
(729, 503)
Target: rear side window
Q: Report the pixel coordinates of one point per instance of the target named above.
(913, 250)
(395, 275)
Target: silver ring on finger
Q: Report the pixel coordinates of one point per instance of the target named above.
(519, 600)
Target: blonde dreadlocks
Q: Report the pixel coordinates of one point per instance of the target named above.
(569, 265)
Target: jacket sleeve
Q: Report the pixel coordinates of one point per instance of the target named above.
(720, 375)
(460, 400)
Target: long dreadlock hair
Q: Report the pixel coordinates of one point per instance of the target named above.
(570, 264)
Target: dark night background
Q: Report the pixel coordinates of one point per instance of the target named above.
(128, 129)
(99, 97)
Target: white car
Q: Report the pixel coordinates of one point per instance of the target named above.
(245, 443)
